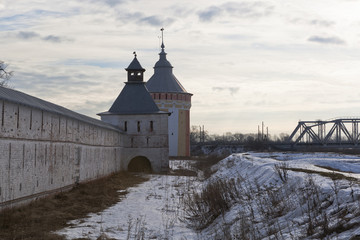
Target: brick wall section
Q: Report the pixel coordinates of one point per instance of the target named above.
(42, 152)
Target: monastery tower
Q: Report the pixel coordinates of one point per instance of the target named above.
(145, 127)
(170, 96)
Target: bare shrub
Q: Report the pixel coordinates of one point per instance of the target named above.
(314, 207)
(282, 170)
(202, 208)
(204, 164)
(136, 228)
(245, 228)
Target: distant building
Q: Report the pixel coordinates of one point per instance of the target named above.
(171, 96)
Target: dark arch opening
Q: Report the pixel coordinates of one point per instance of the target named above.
(139, 164)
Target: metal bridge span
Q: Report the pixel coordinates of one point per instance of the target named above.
(339, 131)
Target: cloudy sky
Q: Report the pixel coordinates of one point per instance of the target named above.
(276, 61)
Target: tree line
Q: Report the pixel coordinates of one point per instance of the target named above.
(200, 136)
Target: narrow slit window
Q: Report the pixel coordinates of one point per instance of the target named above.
(42, 120)
(31, 118)
(18, 117)
(151, 126)
(138, 126)
(3, 113)
(125, 126)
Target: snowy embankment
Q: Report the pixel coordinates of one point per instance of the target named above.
(289, 196)
(248, 196)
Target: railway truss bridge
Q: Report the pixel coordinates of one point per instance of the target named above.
(333, 132)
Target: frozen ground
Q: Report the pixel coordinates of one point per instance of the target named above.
(319, 199)
(151, 209)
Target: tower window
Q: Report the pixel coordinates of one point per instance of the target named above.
(125, 126)
(151, 126)
(132, 74)
(139, 73)
(138, 126)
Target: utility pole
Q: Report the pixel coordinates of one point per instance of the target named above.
(262, 136)
(267, 133)
(202, 134)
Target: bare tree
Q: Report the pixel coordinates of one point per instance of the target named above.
(4, 75)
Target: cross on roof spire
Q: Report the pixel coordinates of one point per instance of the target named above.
(162, 39)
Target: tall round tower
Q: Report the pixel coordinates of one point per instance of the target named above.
(170, 96)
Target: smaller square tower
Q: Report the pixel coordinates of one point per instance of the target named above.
(145, 127)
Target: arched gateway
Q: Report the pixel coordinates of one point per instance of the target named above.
(139, 164)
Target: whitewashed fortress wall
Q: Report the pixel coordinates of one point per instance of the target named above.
(42, 152)
(45, 148)
(147, 136)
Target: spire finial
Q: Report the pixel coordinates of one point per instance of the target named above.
(162, 38)
(135, 54)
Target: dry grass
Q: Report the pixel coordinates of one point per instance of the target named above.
(204, 164)
(202, 208)
(331, 175)
(183, 172)
(40, 218)
(332, 169)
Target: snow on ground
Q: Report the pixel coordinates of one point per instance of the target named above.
(305, 206)
(151, 208)
(339, 200)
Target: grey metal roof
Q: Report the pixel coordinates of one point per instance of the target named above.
(12, 95)
(163, 79)
(133, 99)
(135, 65)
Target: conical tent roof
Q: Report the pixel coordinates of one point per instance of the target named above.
(135, 65)
(134, 99)
(163, 79)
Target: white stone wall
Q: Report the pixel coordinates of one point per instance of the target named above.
(142, 140)
(42, 152)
